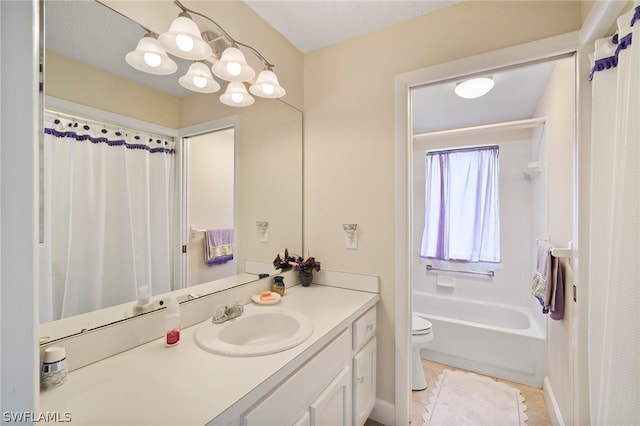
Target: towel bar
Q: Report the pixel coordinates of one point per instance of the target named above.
(562, 252)
(487, 273)
(566, 252)
(193, 231)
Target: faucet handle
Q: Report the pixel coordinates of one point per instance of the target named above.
(219, 314)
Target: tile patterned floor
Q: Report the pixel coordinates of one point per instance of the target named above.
(533, 398)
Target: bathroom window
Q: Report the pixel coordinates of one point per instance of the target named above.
(462, 219)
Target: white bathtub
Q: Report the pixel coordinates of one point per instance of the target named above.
(497, 340)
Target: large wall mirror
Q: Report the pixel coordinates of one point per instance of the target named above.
(87, 79)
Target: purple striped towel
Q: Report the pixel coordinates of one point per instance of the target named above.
(218, 246)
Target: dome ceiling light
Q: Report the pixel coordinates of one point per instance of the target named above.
(474, 87)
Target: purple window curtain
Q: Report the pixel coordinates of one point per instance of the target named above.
(462, 219)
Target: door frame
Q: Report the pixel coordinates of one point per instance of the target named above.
(181, 272)
(503, 58)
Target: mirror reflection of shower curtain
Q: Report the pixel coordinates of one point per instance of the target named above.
(614, 272)
(108, 207)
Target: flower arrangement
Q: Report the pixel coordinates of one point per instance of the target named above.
(307, 265)
(286, 261)
(283, 263)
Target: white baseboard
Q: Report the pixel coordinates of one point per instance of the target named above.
(552, 405)
(383, 412)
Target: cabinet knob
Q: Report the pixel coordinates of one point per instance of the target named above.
(369, 327)
(361, 379)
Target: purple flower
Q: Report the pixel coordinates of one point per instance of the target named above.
(307, 265)
(283, 263)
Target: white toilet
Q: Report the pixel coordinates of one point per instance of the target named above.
(421, 336)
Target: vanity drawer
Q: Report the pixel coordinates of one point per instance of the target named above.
(364, 328)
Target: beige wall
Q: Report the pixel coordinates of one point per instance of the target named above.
(349, 131)
(76, 82)
(585, 8)
(558, 105)
(211, 199)
(269, 173)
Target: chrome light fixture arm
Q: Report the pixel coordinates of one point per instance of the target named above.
(226, 35)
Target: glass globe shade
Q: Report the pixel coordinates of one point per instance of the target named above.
(474, 88)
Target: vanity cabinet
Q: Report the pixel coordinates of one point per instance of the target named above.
(334, 387)
(319, 393)
(364, 366)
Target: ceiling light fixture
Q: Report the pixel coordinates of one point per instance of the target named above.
(267, 85)
(233, 66)
(150, 57)
(474, 87)
(236, 95)
(199, 79)
(185, 40)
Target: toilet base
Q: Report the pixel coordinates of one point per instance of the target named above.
(418, 380)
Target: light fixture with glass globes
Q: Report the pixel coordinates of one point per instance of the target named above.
(236, 95)
(150, 57)
(474, 87)
(199, 79)
(185, 40)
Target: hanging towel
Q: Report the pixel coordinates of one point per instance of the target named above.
(218, 246)
(556, 305)
(540, 284)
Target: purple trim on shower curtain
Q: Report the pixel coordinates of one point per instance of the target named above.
(636, 16)
(604, 64)
(624, 42)
(116, 142)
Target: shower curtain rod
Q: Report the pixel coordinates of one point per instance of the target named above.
(104, 125)
(507, 125)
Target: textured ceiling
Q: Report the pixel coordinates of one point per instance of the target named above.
(93, 34)
(311, 25)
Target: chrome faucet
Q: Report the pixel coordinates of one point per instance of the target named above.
(228, 312)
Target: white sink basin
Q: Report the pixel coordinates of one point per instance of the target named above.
(255, 333)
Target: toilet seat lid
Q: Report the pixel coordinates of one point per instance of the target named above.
(420, 325)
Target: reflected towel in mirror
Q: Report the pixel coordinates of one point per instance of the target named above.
(218, 246)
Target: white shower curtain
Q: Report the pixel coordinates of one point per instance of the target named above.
(108, 202)
(614, 264)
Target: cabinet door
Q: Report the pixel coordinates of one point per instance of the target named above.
(284, 405)
(364, 382)
(333, 406)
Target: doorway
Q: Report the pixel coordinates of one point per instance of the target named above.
(499, 60)
(210, 200)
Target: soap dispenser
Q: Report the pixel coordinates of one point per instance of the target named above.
(172, 322)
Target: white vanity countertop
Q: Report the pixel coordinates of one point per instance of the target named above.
(184, 385)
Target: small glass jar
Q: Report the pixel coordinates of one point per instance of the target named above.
(278, 285)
